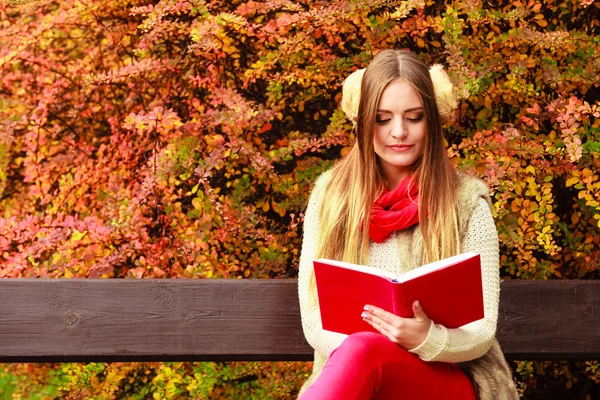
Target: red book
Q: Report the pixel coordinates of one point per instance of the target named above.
(449, 290)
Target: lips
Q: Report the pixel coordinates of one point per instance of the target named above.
(399, 148)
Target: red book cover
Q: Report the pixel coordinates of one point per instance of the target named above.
(449, 290)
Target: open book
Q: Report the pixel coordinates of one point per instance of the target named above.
(449, 290)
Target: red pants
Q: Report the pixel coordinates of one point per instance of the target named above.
(370, 366)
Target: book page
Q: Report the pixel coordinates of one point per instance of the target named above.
(434, 266)
(360, 268)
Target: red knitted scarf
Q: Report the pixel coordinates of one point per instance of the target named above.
(394, 210)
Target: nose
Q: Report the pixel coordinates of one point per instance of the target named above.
(399, 130)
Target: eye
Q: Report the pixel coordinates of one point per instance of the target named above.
(381, 120)
(415, 118)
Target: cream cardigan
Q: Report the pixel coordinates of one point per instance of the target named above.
(448, 345)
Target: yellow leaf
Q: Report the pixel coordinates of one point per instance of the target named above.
(533, 217)
(198, 204)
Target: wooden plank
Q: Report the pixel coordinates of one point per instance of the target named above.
(178, 320)
(550, 319)
(67, 320)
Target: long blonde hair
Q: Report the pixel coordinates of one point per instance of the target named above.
(357, 181)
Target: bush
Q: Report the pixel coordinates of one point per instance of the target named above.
(181, 139)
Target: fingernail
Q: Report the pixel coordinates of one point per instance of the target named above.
(364, 315)
(367, 308)
(417, 303)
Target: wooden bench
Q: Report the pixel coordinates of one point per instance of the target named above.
(70, 320)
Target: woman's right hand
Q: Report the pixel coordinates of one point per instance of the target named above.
(407, 333)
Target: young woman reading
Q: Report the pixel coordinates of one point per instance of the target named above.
(396, 203)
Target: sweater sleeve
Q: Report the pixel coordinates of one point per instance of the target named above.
(472, 340)
(321, 340)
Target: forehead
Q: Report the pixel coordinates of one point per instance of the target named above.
(399, 95)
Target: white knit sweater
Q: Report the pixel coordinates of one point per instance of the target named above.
(448, 345)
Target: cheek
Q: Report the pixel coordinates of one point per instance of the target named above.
(378, 141)
(377, 135)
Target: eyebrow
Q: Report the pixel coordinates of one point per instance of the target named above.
(406, 111)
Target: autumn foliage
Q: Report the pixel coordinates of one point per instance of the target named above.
(181, 139)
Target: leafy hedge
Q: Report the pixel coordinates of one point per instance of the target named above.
(181, 139)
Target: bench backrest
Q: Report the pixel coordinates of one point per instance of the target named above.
(64, 320)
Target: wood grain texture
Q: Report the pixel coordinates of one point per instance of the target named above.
(170, 320)
(142, 320)
(550, 319)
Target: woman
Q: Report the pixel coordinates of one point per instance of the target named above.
(398, 178)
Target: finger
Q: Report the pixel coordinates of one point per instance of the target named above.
(384, 322)
(418, 311)
(371, 316)
(375, 320)
(381, 327)
(379, 313)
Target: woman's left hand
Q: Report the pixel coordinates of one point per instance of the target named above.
(408, 333)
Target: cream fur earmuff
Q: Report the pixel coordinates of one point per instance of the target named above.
(445, 95)
(351, 94)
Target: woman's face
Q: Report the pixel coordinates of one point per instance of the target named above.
(400, 130)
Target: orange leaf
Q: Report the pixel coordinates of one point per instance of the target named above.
(266, 127)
